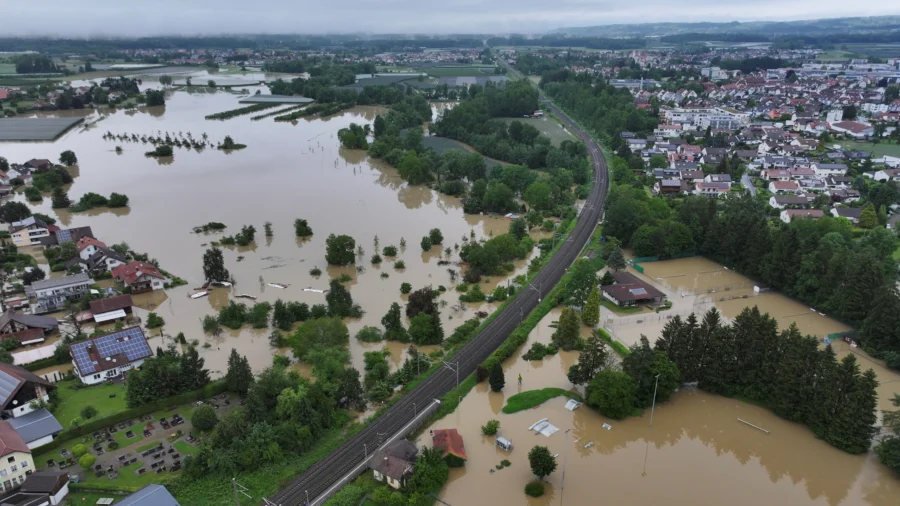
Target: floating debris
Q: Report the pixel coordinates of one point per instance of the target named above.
(589, 444)
(199, 294)
(277, 285)
(607, 426)
(314, 290)
(572, 405)
(246, 296)
(754, 426)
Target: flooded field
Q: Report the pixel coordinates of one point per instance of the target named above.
(696, 284)
(288, 171)
(696, 452)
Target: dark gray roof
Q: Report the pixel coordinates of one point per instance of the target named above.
(23, 499)
(13, 378)
(62, 281)
(35, 425)
(28, 320)
(151, 495)
(45, 482)
(110, 350)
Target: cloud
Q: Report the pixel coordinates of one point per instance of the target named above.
(179, 17)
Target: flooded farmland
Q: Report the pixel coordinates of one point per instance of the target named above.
(696, 452)
(288, 171)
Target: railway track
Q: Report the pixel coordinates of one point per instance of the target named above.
(325, 473)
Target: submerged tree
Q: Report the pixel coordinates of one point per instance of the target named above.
(214, 265)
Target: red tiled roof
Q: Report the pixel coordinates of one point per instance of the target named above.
(449, 441)
(785, 185)
(130, 272)
(10, 440)
(84, 242)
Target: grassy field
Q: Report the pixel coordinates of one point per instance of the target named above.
(72, 401)
(835, 56)
(876, 150)
(532, 398)
(184, 448)
(458, 71)
(7, 68)
(441, 144)
(90, 498)
(549, 127)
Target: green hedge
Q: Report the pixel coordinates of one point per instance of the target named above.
(102, 487)
(214, 388)
(620, 348)
(47, 362)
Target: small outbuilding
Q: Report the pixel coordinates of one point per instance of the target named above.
(504, 444)
(394, 463)
(450, 443)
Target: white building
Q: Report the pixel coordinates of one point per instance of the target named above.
(52, 294)
(109, 356)
(15, 459)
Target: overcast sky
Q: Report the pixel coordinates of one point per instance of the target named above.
(193, 17)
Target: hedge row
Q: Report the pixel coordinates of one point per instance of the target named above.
(102, 487)
(214, 388)
(47, 362)
(620, 348)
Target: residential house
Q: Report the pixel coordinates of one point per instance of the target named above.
(71, 234)
(394, 463)
(829, 169)
(38, 163)
(629, 290)
(51, 294)
(37, 428)
(838, 182)
(668, 131)
(28, 232)
(717, 178)
(15, 458)
(776, 174)
(18, 388)
(139, 276)
(851, 213)
(666, 173)
(109, 356)
(103, 260)
(692, 176)
(885, 175)
(151, 495)
(111, 308)
(12, 322)
(791, 214)
(853, 129)
(846, 196)
(636, 145)
(784, 201)
(450, 443)
(802, 172)
(784, 187)
(713, 190)
(87, 246)
(667, 187)
(52, 487)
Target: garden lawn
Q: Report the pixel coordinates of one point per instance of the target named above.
(533, 398)
(184, 448)
(91, 498)
(621, 310)
(71, 401)
(876, 150)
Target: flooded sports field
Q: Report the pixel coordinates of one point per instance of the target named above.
(289, 170)
(696, 452)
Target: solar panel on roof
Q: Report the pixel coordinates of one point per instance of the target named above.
(129, 342)
(638, 291)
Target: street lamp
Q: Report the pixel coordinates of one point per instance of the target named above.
(307, 497)
(654, 401)
(415, 411)
(366, 451)
(539, 289)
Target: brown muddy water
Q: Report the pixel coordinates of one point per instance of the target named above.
(288, 171)
(696, 452)
(697, 284)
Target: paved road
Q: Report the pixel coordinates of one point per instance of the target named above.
(325, 473)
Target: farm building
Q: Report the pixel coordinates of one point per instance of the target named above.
(629, 290)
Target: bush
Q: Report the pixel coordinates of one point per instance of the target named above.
(79, 450)
(473, 295)
(33, 194)
(490, 428)
(113, 445)
(117, 200)
(154, 321)
(210, 324)
(426, 243)
(389, 251)
(88, 412)
(315, 271)
(369, 334)
(400, 264)
(87, 461)
(302, 228)
(405, 288)
(376, 259)
(534, 488)
(204, 418)
(436, 236)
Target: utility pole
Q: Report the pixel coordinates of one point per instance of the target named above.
(448, 366)
(654, 401)
(562, 485)
(238, 490)
(415, 412)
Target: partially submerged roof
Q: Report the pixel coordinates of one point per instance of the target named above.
(630, 288)
(28, 320)
(112, 350)
(35, 425)
(450, 441)
(111, 304)
(151, 495)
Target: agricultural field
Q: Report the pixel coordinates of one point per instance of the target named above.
(835, 56)
(7, 68)
(547, 126)
(876, 150)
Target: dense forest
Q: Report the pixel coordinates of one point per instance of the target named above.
(35, 64)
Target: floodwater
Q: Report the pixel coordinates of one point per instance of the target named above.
(696, 284)
(696, 452)
(288, 171)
